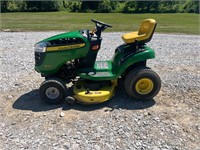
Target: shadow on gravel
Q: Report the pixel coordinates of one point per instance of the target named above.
(31, 101)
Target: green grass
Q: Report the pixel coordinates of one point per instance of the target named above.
(46, 21)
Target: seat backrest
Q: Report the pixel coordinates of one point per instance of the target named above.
(147, 27)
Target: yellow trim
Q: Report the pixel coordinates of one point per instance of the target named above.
(144, 86)
(67, 47)
(94, 97)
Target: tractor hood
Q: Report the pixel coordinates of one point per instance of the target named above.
(64, 41)
(74, 34)
(52, 53)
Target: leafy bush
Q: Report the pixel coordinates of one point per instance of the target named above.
(129, 7)
(4, 6)
(104, 6)
(44, 5)
(72, 6)
(13, 6)
(89, 6)
(191, 6)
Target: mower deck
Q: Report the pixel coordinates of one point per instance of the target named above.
(86, 96)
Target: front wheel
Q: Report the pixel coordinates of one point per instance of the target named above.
(53, 91)
(142, 83)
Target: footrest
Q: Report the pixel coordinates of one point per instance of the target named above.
(103, 65)
(102, 71)
(98, 75)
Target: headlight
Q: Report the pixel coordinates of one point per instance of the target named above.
(40, 47)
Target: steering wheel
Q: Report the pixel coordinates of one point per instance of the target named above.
(100, 27)
(101, 23)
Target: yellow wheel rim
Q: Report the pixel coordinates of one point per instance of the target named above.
(144, 86)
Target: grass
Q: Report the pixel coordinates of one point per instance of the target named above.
(47, 21)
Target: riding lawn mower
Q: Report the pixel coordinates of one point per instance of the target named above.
(71, 58)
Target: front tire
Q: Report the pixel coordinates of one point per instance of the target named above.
(142, 83)
(53, 91)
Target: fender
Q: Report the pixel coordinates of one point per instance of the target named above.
(118, 64)
(122, 61)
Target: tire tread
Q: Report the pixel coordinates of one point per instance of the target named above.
(134, 73)
(59, 83)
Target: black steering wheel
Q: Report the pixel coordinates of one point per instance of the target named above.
(101, 23)
(100, 27)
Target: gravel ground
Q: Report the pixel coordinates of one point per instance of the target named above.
(170, 121)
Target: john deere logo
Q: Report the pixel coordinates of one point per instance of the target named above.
(68, 47)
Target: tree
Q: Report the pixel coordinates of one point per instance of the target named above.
(129, 7)
(191, 6)
(169, 6)
(154, 7)
(13, 6)
(76, 7)
(4, 6)
(52, 5)
(107, 6)
(89, 5)
(114, 4)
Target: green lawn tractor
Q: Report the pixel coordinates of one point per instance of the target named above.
(70, 58)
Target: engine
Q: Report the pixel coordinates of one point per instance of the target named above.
(67, 72)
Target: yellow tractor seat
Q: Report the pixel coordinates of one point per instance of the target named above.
(143, 35)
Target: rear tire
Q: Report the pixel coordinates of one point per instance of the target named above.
(53, 91)
(142, 83)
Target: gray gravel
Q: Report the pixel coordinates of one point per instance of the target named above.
(170, 121)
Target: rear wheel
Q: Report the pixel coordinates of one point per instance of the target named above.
(53, 91)
(142, 83)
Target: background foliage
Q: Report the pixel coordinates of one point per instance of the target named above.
(104, 6)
